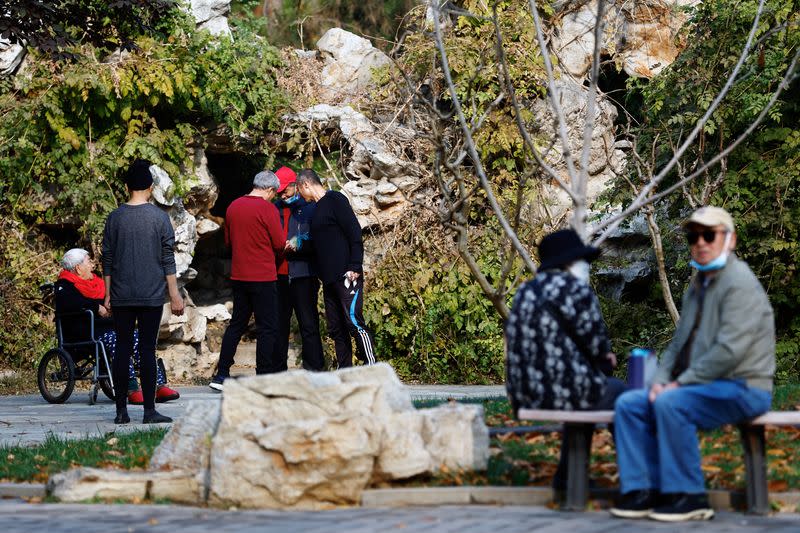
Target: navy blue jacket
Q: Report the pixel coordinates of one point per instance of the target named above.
(301, 261)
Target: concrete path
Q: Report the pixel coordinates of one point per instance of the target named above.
(60, 518)
(28, 419)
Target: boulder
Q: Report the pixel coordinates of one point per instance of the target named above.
(81, 484)
(375, 172)
(303, 464)
(349, 62)
(163, 187)
(185, 227)
(403, 453)
(641, 36)
(11, 56)
(206, 226)
(184, 362)
(211, 15)
(456, 436)
(187, 446)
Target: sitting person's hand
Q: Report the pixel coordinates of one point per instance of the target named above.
(103, 312)
(612, 357)
(658, 388)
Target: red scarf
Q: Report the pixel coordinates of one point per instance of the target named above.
(93, 288)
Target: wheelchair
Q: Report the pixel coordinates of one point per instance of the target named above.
(77, 360)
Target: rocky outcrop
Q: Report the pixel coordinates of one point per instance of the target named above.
(11, 56)
(212, 15)
(606, 159)
(642, 36)
(349, 63)
(381, 181)
(296, 440)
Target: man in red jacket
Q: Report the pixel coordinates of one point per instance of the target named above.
(253, 231)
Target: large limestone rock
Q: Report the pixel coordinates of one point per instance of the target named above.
(642, 35)
(310, 440)
(296, 440)
(183, 223)
(307, 464)
(349, 62)
(11, 56)
(212, 15)
(187, 446)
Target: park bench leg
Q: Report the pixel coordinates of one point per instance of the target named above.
(755, 464)
(578, 440)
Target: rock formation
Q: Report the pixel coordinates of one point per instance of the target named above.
(296, 440)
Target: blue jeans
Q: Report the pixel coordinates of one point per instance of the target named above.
(657, 445)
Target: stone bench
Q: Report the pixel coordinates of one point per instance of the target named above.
(576, 423)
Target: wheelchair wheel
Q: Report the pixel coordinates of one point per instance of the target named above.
(108, 390)
(56, 376)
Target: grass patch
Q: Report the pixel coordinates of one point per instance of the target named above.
(129, 451)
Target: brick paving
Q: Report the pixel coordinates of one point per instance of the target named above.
(62, 518)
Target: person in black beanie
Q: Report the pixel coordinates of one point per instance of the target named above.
(138, 268)
(558, 351)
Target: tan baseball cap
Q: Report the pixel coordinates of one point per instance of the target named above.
(710, 216)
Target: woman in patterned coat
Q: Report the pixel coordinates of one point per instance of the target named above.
(558, 349)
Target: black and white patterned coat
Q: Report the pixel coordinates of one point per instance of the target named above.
(545, 369)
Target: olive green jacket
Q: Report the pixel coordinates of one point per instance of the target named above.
(736, 335)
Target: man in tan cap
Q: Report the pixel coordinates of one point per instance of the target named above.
(717, 370)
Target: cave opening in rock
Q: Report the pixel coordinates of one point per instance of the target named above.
(233, 174)
(628, 100)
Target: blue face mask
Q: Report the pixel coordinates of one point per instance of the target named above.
(291, 199)
(715, 264)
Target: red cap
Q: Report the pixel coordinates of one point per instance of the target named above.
(286, 177)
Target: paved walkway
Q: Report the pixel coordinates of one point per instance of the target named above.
(61, 518)
(28, 419)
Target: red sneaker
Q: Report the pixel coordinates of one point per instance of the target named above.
(165, 394)
(136, 397)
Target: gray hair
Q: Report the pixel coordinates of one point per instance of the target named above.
(266, 179)
(73, 258)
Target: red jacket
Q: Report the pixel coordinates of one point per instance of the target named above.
(283, 264)
(254, 233)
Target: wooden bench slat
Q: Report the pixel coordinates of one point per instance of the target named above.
(592, 417)
(778, 418)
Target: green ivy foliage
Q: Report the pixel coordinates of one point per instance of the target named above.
(760, 186)
(432, 321)
(67, 128)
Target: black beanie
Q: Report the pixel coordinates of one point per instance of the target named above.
(138, 177)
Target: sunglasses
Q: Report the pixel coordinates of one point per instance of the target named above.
(709, 235)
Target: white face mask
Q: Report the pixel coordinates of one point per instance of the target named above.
(579, 269)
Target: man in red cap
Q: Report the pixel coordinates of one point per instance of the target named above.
(298, 286)
(286, 177)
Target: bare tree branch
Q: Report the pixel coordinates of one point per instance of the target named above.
(476, 160)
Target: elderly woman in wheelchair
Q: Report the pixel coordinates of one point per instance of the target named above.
(79, 289)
